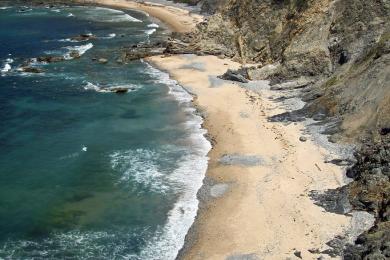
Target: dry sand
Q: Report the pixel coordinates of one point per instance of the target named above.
(266, 211)
(176, 19)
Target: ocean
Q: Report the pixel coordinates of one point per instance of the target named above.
(84, 172)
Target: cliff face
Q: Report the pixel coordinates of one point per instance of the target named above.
(343, 46)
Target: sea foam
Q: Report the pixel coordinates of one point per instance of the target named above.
(7, 65)
(81, 49)
(188, 177)
(109, 15)
(150, 31)
(153, 25)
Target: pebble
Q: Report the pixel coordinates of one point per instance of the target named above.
(302, 139)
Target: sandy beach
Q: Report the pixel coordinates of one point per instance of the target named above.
(262, 174)
(257, 204)
(176, 19)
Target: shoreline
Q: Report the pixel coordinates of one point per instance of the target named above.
(254, 166)
(215, 195)
(176, 19)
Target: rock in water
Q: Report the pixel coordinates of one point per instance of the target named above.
(31, 69)
(50, 59)
(83, 37)
(119, 90)
(102, 61)
(74, 54)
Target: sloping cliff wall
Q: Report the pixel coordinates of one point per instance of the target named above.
(342, 46)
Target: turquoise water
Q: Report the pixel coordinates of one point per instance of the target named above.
(85, 173)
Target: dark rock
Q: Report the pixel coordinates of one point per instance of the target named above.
(119, 90)
(344, 57)
(83, 37)
(233, 76)
(74, 54)
(50, 59)
(32, 69)
(298, 254)
(143, 50)
(370, 191)
(384, 131)
(333, 200)
(302, 139)
(341, 162)
(294, 116)
(314, 251)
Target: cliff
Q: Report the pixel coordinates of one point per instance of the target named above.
(340, 47)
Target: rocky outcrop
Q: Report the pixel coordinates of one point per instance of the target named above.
(233, 76)
(341, 47)
(371, 191)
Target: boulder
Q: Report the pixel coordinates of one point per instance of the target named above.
(233, 76)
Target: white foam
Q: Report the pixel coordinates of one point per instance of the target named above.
(6, 68)
(7, 65)
(67, 40)
(141, 166)
(90, 86)
(103, 14)
(84, 149)
(70, 15)
(55, 10)
(153, 25)
(81, 49)
(5, 7)
(188, 177)
(108, 89)
(110, 36)
(150, 31)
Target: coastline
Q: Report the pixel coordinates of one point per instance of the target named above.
(233, 191)
(255, 166)
(220, 189)
(176, 19)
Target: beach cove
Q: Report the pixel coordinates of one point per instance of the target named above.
(255, 201)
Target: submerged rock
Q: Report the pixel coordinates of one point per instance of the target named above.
(119, 90)
(30, 69)
(74, 54)
(83, 37)
(50, 59)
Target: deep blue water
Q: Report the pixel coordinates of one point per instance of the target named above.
(86, 173)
